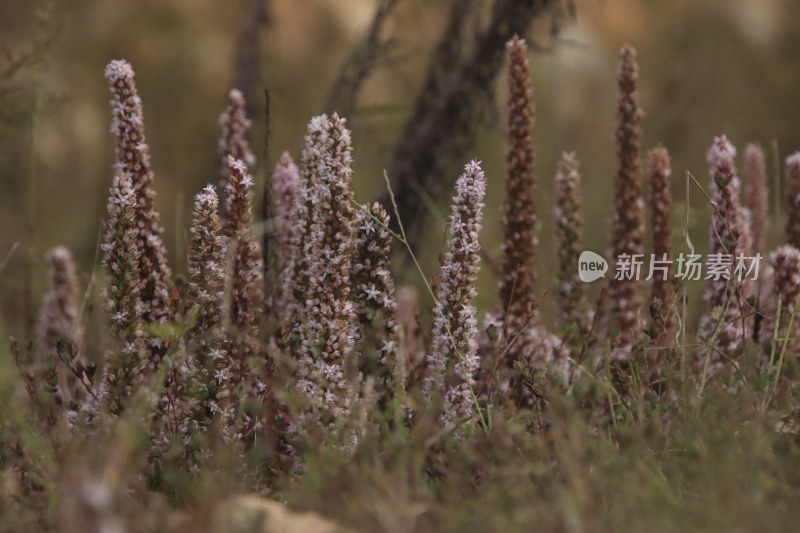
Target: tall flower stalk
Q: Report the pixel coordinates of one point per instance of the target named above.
(206, 344)
(122, 295)
(375, 299)
(206, 263)
(59, 313)
(58, 322)
(312, 168)
(453, 359)
(758, 204)
(285, 181)
(244, 284)
(627, 232)
(411, 347)
(285, 184)
(793, 199)
(659, 172)
(746, 238)
(785, 262)
(725, 296)
(569, 228)
(517, 284)
(133, 160)
(329, 329)
(757, 195)
(234, 126)
(242, 308)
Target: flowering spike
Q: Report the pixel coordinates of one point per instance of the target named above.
(121, 260)
(244, 292)
(785, 262)
(206, 344)
(58, 320)
(758, 226)
(726, 239)
(745, 232)
(411, 348)
(627, 232)
(285, 181)
(569, 227)
(659, 172)
(245, 283)
(133, 161)
(330, 327)
(757, 195)
(285, 184)
(233, 140)
(312, 168)
(123, 288)
(206, 260)
(793, 194)
(374, 295)
(59, 313)
(455, 329)
(239, 201)
(517, 292)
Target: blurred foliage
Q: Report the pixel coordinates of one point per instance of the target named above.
(608, 461)
(707, 67)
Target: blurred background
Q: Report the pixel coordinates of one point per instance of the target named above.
(707, 67)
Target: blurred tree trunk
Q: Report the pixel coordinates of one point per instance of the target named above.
(342, 97)
(448, 110)
(248, 51)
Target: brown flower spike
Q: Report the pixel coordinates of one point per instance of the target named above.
(726, 239)
(59, 313)
(242, 308)
(123, 289)
(659, 172)
(233, 139)
(757, 195)
(627, 232)
(206, 262)
(374, 295)
(785, 262)
(58, 321)
(329, 326)
(793, 197)
(296, 272)
(133, 160)
(453, 360)
(244, 285)
(517, 285)
(285, 183)
(569, 227)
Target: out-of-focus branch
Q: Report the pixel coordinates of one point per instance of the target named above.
(444, 61)
(248, 51)
(449, 107)
(266, 198)
(343, 95)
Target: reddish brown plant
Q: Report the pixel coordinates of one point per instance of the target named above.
(793, 197)
(659, 172)
(517, 285)
(757, 195)
(627, 232)
(133, 160)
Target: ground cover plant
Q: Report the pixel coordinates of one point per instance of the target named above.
(289, 365)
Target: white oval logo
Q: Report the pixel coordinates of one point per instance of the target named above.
(591, 266)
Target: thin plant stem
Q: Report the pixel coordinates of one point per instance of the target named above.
(786, 338)
(402, 238)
